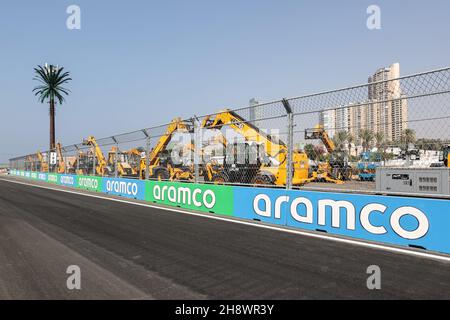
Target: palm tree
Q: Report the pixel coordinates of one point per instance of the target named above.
(366, 137)
(408, 137)
(350, 141)
(339, 140)
(379, 140)
(51, 79)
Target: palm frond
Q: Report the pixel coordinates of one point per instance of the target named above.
(51, 79)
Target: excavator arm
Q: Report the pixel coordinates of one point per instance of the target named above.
(273, 147)
(101, 167)
(61, 162)
(44, 165)
(319, 133)
(158, 168)
(275, 171)
(334, 171)
(176, 125)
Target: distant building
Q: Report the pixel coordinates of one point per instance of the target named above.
(255, 113)
(386, 109)
(328, 121)
(389, 107)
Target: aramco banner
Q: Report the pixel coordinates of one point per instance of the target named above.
(199, 197)
(416, 222)
(129, 188)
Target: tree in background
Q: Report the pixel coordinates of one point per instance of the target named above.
(340, 139)
(366, 138)
(408, 137)
(350, 141)
(51, 79)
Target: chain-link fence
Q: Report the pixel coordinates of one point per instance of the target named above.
(333, 140)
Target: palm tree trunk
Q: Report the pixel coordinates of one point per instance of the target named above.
(52, 125)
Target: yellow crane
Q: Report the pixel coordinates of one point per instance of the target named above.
(161, 166)
(61, 162)
(336, 170)
(30, 163)
(124, 169)
(82, 164)
(101, 167)
(269, 171)
(43, 165)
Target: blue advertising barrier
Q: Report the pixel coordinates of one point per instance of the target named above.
(395, 220)
(67, 180)
(405, 221)
(129, 188)
(246, 198)
(42, 176)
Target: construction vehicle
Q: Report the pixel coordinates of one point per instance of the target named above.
(241, 164)
(61, 163)
(83, 164)
(30, 163)
(101, 167)
(161, 166)
(336, 169)
(121, 159)
(136, 160)
(42, 164)
(271, 169)
(443, 158)
(367, 171)
(445, 155)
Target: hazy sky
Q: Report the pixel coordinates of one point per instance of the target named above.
(141, 63)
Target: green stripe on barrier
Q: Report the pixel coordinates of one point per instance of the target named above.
(201, 197)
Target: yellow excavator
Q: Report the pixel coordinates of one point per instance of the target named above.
(136, 159)
(61, 163)
(101, 167)
(82, 164)
(336, 169)
(161, 167)
(43, 165)
(124, 169)
(263, 158)
(30, 163)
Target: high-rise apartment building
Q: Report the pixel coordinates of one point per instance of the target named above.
(385, 111)
(389, 107)
(327, 119)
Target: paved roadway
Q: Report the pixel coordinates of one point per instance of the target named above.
(134, 252)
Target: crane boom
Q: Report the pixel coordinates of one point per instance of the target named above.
(176, 125)
(319, 133)
(273, 147)
(61, 162)
(101, 160)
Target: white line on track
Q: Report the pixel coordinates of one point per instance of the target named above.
(263, 226)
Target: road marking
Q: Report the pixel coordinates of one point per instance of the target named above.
(263, 226)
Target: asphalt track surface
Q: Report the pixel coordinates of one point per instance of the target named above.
(126, 251)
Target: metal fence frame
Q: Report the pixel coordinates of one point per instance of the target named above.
(287, 114)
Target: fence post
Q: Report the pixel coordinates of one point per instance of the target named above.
(66, 162)
(290, 143)
(197, 143)
(94, 164)
(78, 160)
(116, 159)
(147, 156)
